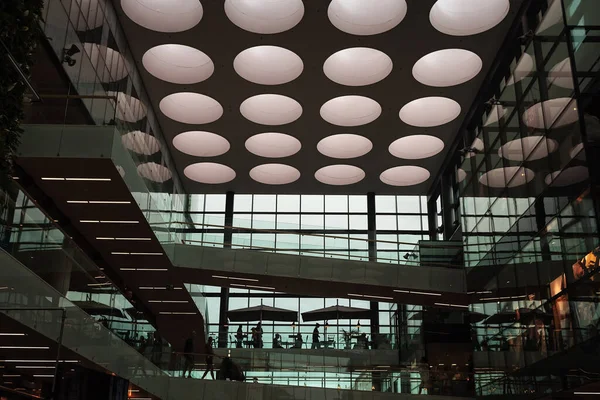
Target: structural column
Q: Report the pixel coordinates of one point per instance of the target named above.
(227, 238)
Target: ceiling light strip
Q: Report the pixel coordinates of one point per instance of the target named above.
(141, 239)
(11, 334)
(38, 361)
(417, 292)
(95, 221)
(144, 269)
(177, 313)
(25, 347)
(235, 278)
(368, 296)
(253, 286)
(451, 305)
(169, 301)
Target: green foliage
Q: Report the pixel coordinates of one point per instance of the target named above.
(19, 31)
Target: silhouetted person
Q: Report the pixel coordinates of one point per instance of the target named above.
(316, 344)
(239, 337)
(210, 354)
(188, 355)
(425, 375)
(259, 335)
(277, 341)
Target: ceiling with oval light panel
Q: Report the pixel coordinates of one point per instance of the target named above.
(264, 85)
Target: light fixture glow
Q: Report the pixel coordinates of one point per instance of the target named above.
(11, 334)
(135, 254)
(164, 15)
(191, 108)
(268, 65)
(417, 292)
(427, 112)
(154, 172)
(359, 17)
(124, 238)
(271, 109)
(523, 69)
(253, 286)
(344, 146)
(551, 113)
(274, 174)
(449, 67)
(234, 278)
(339, 174)
(140, 142)
(176, 63)
(208, 172)
(145, 269)
(273, 145)
(115, 65)
(201, 144)
(416, 147)
(25, 347)
(406, 175)
(350, 110)
(358, 66)
(177, 313)
(91, 221)
(98, 202)
(169, 301)
(370, 296)
(467, 17)
(128, 108)
(507, 177)
(266, 17)
(567, 176)
(528, 148)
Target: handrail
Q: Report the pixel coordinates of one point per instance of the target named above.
(361, 258)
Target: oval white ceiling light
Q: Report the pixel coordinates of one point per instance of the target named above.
(467, 17)
(128, 108)
(567, 177)
(164, 15)
(523, 69)
(529, 148)
(273, 145)
(268, 65)
(476, 145)
(561, 75)
(274, 174)
(496, 113)
(430, 111)
(449, 67)
(271, 109)
(201, 144)
(350, 110)
(102, 55)
(560, 112)
(360, 17)
(344, 145)
(507, 177)
(191, 108)
(406, 175)
(358, 66)
(577, 152)
(461, 174)
(154, 172)
(415, 147)
(140, 143)
(339, 174)
(176, 63)
(266, 16)
(210, 173)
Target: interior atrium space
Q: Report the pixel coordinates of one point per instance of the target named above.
(299, 199)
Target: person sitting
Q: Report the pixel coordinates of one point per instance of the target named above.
(277, 341)
(298, 342)
(254, 337)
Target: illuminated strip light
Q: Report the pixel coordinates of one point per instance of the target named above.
(484, 292)
(125, 253)
(370, 297)
(12, 334)
(158, 288)
(451, 305)
(234, 278)
(95, 221)
(134, 390)
(169, 301)
(46, 178)
(98, 202)
(100, 284)
(124, 238)
(38, 361)
(43, 376)
(11, 376)
(145, 269)
(35, 366)
(253, 286)
(25, 347)
(504, 297)
(586, 393)
(177, 313)
(416, 292)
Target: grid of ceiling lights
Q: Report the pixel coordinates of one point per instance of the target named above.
(271, 65)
